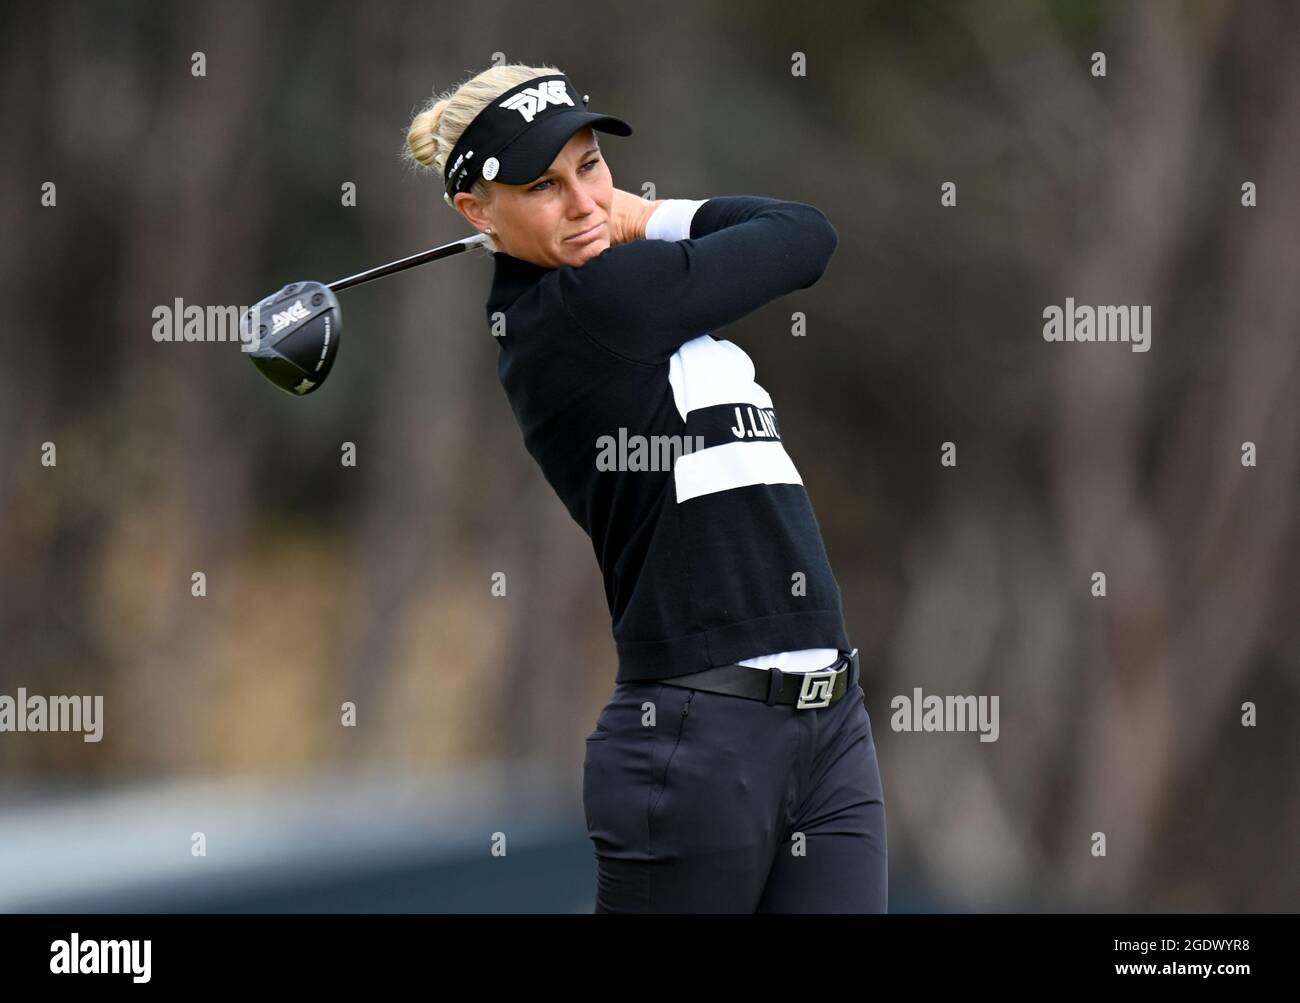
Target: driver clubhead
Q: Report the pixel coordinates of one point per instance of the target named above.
(296, 337)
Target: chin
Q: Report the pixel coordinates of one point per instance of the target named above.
(586, 252)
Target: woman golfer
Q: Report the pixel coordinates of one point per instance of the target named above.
(733, 768)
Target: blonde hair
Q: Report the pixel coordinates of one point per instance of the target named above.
(434, 131)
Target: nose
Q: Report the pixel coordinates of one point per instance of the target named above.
(580, 202)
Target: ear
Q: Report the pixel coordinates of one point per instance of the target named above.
(472, 209)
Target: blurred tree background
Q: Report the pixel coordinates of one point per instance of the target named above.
(372, 583)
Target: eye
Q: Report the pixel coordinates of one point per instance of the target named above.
(538, 187)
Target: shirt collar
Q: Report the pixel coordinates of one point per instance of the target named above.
(512, 277)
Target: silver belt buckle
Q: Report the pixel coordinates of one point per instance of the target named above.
(816, 688)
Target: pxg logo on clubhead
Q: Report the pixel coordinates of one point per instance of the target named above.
(296, 336)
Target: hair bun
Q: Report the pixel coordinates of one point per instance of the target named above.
(420, 136)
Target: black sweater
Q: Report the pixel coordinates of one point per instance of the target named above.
(718, 556)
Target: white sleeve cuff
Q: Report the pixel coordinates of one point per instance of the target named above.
(672, 220)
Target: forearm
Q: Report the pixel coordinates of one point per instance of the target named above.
(643, 222)
(714, 261)
(629, 215)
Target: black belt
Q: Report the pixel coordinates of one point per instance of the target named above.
(804, 690)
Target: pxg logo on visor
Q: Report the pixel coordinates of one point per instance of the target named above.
(516, 138)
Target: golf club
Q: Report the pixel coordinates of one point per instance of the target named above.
(298, 351)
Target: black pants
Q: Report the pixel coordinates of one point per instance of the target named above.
(720, 803)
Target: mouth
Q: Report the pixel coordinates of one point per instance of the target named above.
(586, 234)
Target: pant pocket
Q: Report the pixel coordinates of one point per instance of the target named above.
(663, 770)
(623, 712)
(619, 767)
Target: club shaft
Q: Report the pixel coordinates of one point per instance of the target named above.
(433, 254)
